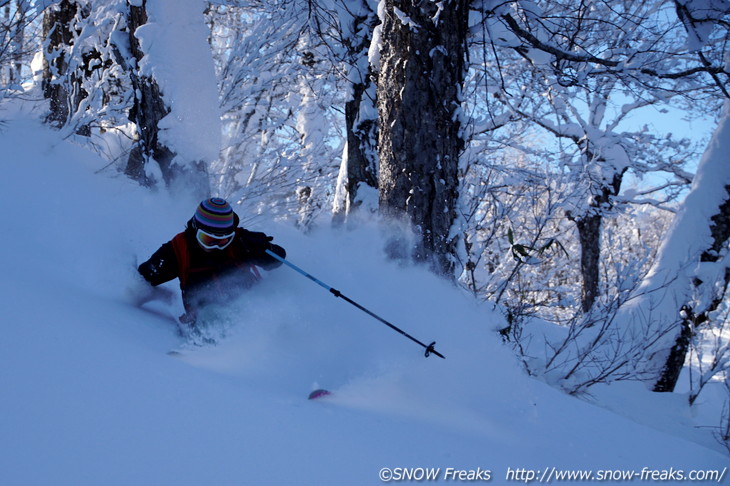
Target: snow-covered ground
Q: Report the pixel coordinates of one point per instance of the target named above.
(89, 395)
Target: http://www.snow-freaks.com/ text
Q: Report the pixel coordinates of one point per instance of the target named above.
(548, 475)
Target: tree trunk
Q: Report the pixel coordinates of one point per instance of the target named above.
(62, 80)
(360, 158)
(420, 141)
(57, 33)
(148, 109)
(720, 231)
(361, 166)
(589, 234)
(675, 358)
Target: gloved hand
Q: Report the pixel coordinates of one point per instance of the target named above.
(255, 242)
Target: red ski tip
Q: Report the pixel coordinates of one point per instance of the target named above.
(318, 394)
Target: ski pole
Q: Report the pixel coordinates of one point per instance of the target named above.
(429, 348)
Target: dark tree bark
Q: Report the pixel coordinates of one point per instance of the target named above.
(361, 149)
(361, 131)
(421, 75)
(63, 76)
(148, 109)
(57, 33)
(589, 235)
(675, 359)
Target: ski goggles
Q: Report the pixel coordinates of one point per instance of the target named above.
(210, 241)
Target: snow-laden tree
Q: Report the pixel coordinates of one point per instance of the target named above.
(642, 334)
(358, 178)
(85, 76)
(60, 80)
(124, 67)
(282, 107)
(690, 277)
(146, 112)
(512, 250)
(570, 86)
(176, 110)
(647, 337)
(688, 282)
(420, 80)
(256, 60)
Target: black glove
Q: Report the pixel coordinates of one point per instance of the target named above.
(255, 242)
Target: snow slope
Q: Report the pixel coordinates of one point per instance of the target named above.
(89, 395)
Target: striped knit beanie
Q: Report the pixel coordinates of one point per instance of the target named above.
(215, 216)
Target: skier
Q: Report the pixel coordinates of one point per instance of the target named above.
(213, 259)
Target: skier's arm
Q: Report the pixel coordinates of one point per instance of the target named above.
(161, 267)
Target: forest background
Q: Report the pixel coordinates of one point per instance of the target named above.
(500, 143)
